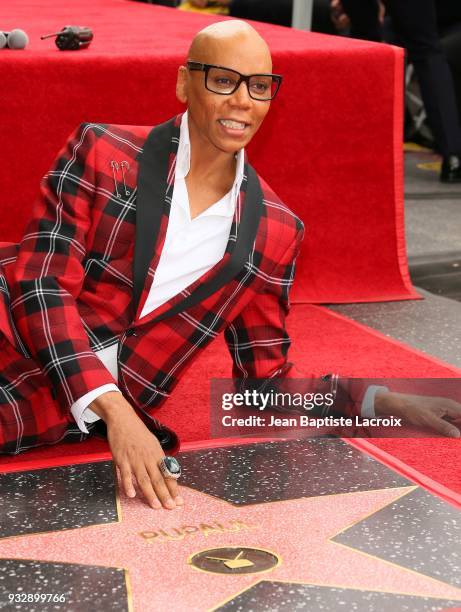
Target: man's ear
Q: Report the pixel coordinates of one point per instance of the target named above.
(181, 84)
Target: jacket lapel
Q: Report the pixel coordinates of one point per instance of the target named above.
(236, 252)
(155, 184)
(155, 188)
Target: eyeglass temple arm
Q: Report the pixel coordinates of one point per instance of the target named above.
(195, 65)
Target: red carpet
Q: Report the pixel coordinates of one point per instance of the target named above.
(331, 146)
(322, 342)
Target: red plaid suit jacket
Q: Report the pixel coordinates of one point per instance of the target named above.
(79, 278)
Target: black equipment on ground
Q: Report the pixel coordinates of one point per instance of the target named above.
(72, 38)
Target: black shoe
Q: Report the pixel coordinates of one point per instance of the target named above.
(168, 439)
(451, 169)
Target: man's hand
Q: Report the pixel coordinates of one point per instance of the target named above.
(338, 16)
(136, 452)
(429, 412)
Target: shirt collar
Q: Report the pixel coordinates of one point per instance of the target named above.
(183, 167)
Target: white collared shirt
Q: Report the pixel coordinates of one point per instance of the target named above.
(191, 248)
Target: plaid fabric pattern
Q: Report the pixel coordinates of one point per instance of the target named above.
(67, 291)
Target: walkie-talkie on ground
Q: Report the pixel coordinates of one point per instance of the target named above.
(72, 38)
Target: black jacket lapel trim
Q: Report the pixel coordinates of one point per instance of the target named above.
(248, 228)
(150, 201)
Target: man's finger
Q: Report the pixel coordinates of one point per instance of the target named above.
(127, 480)
(145, 484)
(446, 429)
(160, 487)
(173, 488)
(453, 409)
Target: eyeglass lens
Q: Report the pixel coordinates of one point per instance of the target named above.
(224, 81)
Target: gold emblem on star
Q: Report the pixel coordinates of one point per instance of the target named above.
(235, 560)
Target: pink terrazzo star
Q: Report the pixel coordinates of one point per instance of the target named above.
(154, 546)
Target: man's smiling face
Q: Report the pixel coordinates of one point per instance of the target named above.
(226, 123)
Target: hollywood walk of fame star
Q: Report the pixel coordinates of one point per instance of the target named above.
(298, 531)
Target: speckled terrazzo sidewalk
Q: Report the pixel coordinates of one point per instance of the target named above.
(286, 525)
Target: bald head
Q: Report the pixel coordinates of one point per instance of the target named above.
(234, 42)
(225, 122)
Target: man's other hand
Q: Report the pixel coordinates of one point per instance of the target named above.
(136, 452)
(422, 411)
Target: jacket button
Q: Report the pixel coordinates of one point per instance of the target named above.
(130, 332)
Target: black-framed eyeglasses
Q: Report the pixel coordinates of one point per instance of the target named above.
(225, 81)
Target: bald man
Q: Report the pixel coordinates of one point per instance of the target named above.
(144, 246)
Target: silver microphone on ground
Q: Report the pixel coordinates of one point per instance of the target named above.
(16, 39)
